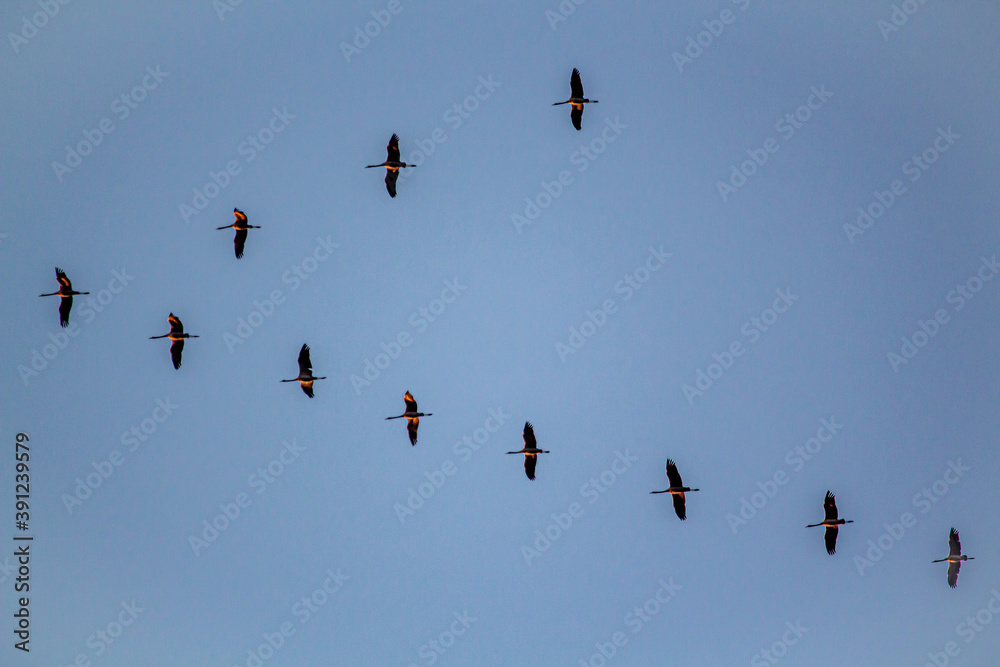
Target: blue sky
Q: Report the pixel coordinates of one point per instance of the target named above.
(636, 258)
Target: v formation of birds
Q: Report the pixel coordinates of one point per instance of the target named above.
(530, 450)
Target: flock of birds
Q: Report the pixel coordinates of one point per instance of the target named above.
(392, 165)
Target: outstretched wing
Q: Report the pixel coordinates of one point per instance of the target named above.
(831, 539)
(953, 569)
(529, 465)
(673, 475)
(240, 241)
(391, 176)
(305, 363)
(175, 352)
(575, 84)
(176, 327)
(240, 215)
(65, 304)
(411, 403)
(679, 505)
(393, 149)
(576, 115)
(411, 427)
(529, 441)
(830, 506)
(63, 280)
(954, 545)
(307, 387)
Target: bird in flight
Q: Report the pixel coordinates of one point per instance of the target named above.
(392, 165)
(241, 227)
(576, 99)
(954, 558)
(305, 378)
(66, 291)
(411, 415)
(831, 522)
(530, 450)
(676, 489)
(176, 335)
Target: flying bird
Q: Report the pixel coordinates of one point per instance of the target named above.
(411, 415)
(241, 227)
(392, 165)
(576, 99)
(66, 291)
(831, 522)
(676, 489)
(305, 378)
(954, 558)
(177, 335)
(530, 450)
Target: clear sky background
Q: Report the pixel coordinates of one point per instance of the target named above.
(652, 183)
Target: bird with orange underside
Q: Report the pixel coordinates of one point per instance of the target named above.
(66, 291)
(412, 416)
(530, 450)
(576, 99)
(392, 165)
(241, 227)
(676, 489)
(177, 336)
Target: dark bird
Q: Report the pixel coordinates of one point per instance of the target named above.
(676, 489)
(954, 558)
(576, 99)
(177, 335)
(411, 415)
(392, 165)
(241, 227)
(530, 450)
(831, 522)
(305, 378)
(66, 291)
